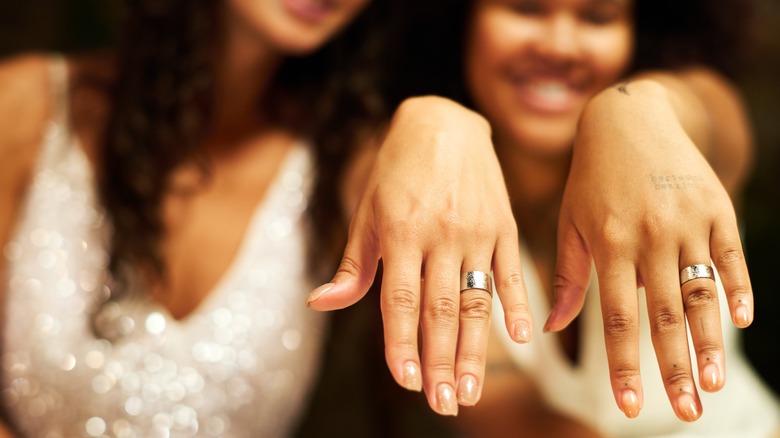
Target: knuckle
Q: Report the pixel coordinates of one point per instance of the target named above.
(516, 308)
(615, 237)
(512, 281)
(476, 308)
(652, 226)
(398, 229)
(708, 347)
(441, 365)
(618, 325)
(403, 300)
(677, 376)
(349, 266)
(507, 228)
(740, 291)
(666, 321)
(624, 371)
(563, 284)
(402, 346)
(472, 359)
(729, 257)
(701, 297)
(450, 226)
(443, 309)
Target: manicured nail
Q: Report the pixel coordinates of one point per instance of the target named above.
(742, 314)
(522, 331)
(445, 399)
(411, 378)
(710, 376)
(629, 403)
(686, 405)
(468, 390)
(317, 293)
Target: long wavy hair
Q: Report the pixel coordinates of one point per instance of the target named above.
(162, 108)
(428, 58)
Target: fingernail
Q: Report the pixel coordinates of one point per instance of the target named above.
(742, 314)
(468, 390)
(445, 399)
(411, 378)
(710, 376)
(317, 293)
(629, 403)
(546, 327)
(522, 331)
(687, 407)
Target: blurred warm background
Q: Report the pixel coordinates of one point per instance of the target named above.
(78, 25)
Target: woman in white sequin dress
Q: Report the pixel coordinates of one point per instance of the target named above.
(183, 167)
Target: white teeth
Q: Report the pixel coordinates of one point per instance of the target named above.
(551, 90)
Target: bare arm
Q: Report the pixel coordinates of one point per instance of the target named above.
(23, 111)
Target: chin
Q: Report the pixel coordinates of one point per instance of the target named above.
(297, 42)
(545, 138)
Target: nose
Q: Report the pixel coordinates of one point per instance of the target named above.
(559, 39)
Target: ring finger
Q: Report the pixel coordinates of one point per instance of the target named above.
(476, 302)
(700, 299)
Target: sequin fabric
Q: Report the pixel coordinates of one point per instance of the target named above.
(239, 366)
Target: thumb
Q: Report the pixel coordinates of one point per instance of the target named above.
(355, 274)
(572, 277)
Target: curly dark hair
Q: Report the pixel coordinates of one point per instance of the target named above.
(162, 107)
(428, 57)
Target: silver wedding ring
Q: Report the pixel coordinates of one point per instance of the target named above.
(476, 280)
(696, 271)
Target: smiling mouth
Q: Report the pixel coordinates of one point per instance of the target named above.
(552, 95)
(310, 11)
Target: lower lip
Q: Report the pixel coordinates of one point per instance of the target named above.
(307, 11)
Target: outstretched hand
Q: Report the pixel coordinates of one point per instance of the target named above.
(435, 207)
(643, 203)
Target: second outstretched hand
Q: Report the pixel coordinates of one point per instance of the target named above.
(644, 203)
(435, 206)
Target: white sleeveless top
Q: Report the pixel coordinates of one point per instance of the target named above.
(240, 366)
(744, 408)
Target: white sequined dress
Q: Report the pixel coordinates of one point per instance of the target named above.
(240, 366)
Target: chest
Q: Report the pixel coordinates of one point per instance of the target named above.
(242, 359)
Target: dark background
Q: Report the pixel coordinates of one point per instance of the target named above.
(78, 25)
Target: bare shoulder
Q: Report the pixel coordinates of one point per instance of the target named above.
(713, 87)
(24, 107)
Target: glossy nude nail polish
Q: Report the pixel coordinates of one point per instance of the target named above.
(317, 293)
(687, 407)
(629, 403)
(522, 331)
(445, 399)
(411, 377)
(468, 390)
(710, 377)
